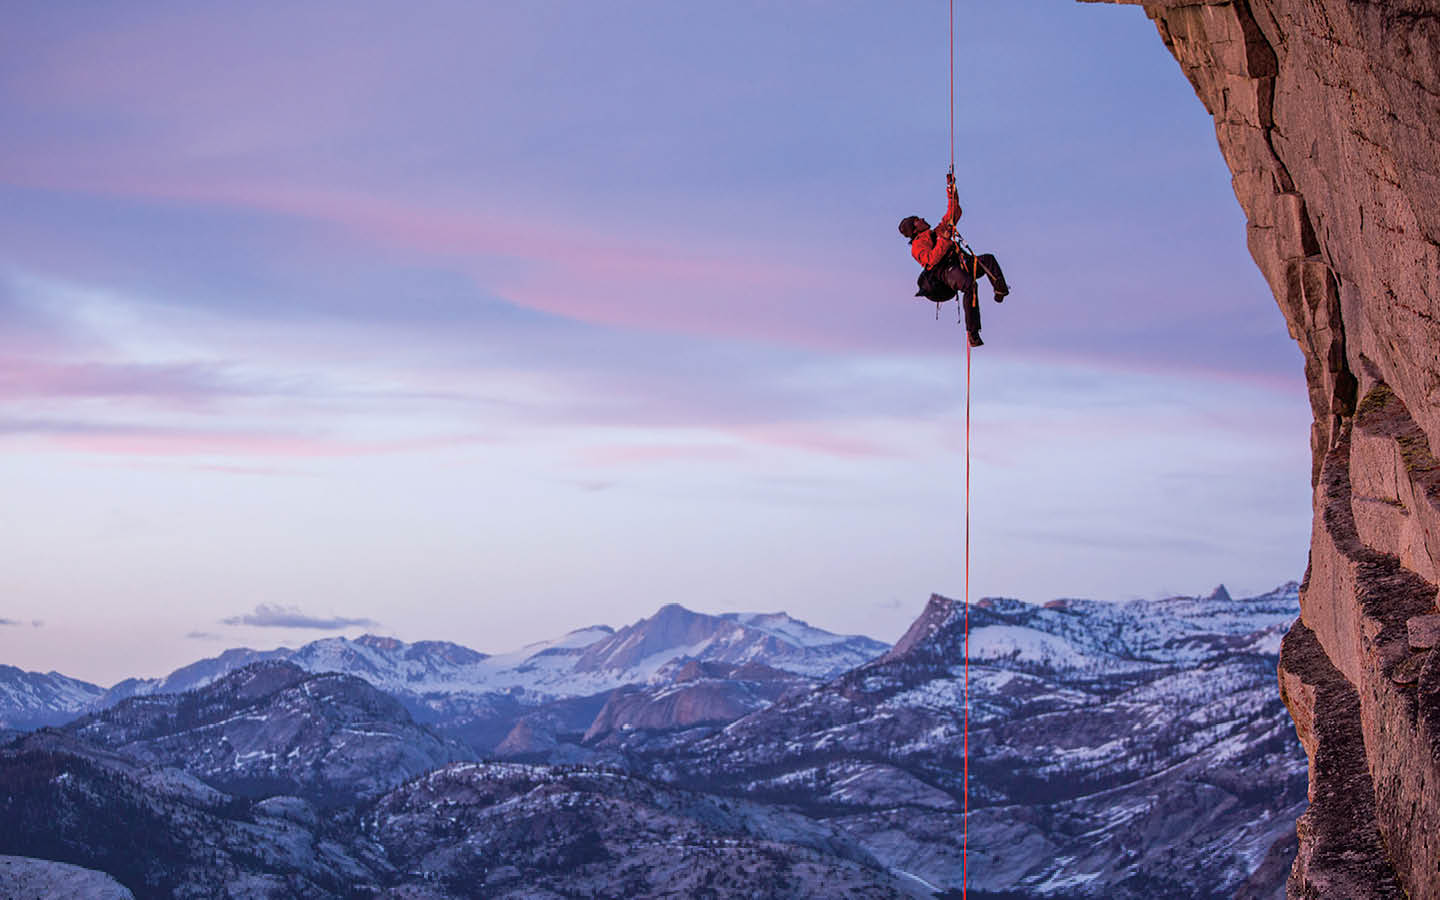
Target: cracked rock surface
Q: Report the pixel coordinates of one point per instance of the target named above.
(1328, 115)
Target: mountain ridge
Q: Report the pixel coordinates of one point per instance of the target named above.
(1112, 754)
(31, 700)
(427, 666)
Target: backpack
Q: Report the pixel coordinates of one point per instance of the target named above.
(931, 284)
(932, 287)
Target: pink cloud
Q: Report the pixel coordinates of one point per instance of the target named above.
(815, 439)
(642, 454)
(184, 383)
(120, 440)
(567, 267)
(793, 436)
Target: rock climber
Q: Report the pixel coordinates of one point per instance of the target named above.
(948, 269)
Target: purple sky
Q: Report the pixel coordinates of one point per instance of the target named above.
(487, 323)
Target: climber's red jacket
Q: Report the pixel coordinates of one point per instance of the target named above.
(930, 247)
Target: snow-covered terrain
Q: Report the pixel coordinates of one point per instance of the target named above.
(24, 877)
(34, 699)
(273, 728)
(581, 663)
(557, 685)
(1115, 751)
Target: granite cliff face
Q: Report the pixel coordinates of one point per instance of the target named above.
(1328, 114)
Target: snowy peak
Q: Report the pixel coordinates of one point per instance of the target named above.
(938, 635)
(922, 635)
(188, 678)
(775, 639)
(788, 629)
(673, 627)
(384, 662)
(434, 654)
(1219, 612)
(583, 662)
(570, 644)
(1075, 634)
(33, 699)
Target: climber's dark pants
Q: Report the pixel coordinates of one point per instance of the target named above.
(958, 276)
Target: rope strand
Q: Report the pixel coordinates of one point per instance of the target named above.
(974, 287)
(965, 815)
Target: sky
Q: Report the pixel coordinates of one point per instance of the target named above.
(487, 321)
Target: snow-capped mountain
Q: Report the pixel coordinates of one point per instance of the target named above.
(480, 698)
(1107, 637)
(273, 728)
(775, 640)
(188, 678)
(34, 699)
(582, 663)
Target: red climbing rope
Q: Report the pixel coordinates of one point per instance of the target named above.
(952, 86)
(965, 816)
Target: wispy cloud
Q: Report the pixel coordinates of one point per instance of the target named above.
(630, 280)
(818, 440)
(31, 378)
(649, 454)
(265, 471)
(204, 636)
(589, 485)
(162, 440)
(268, 616)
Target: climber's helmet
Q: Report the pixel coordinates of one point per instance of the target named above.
(910, 226)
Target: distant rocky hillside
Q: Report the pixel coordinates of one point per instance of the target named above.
(188, 678)
(272, 728)
(694, 694)
(23, 877)
(34, 699)
(535, 831)
(1117, 750)
(162, 832)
